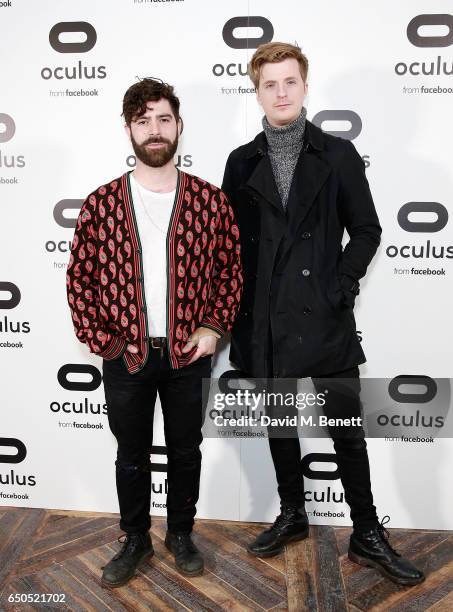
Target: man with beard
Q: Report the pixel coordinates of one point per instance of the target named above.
(295, 189)
(154, 279)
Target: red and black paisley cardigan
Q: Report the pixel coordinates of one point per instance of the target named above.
(105, 285)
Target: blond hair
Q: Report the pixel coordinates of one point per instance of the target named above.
(274, 52)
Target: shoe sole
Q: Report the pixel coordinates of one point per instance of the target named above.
(370, 563)
(183, 571)
(113, 585)
(273, 553)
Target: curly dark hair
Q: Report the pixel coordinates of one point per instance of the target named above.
(137, 96)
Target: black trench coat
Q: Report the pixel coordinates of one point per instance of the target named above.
(299, 284)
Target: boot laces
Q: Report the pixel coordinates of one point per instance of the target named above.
(282, 519)
(385, 535)
(183, 541)
(129, 542)
(279, 522)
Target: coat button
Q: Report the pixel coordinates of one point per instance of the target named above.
(306, 235)
(305, 272)
(307, 310)
(143, 308)
(254, 239)
(138, 250)
(140, 278)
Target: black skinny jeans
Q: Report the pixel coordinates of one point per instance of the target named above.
(130, 404)
(342, 401)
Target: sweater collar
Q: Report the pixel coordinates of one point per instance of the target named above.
(314, 140)
(287, 136)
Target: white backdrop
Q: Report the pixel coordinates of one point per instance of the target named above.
(56, 449)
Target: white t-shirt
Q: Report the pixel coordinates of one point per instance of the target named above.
(153, 211)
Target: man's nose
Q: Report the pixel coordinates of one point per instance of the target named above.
(154, 128)
(281, 91)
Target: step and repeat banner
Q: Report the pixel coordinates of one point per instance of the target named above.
(380, 75)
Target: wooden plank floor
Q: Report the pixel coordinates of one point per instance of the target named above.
(50, 551)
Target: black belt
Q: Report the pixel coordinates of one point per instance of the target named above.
(158, 343)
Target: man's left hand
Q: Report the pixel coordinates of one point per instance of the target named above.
(205, 339)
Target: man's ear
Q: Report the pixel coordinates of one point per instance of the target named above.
(127, 129)
(180, 126)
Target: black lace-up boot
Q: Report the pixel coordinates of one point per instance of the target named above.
(289, 526)
(372, 548)
(188, 558)
(136, 548)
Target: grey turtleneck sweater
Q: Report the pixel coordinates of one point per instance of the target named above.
(284, 146)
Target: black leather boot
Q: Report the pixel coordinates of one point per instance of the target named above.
(121, 568)
(188, 559)
(289, 526)
(372, 548)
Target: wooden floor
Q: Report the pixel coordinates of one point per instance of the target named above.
(45, 552)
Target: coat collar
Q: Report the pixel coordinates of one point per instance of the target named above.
(310, 173)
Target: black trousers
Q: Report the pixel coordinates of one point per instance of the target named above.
(130, 404)
(342, 401)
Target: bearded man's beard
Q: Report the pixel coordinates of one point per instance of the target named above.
(155, 158)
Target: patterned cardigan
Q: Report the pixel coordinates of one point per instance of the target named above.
(105, 285)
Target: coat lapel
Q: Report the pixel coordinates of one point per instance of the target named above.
(310, 174)
(262, 180)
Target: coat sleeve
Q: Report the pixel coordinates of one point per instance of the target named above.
(82, 284)
(226, 287)
(360, 220)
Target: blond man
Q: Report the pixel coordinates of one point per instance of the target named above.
(295, 190)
